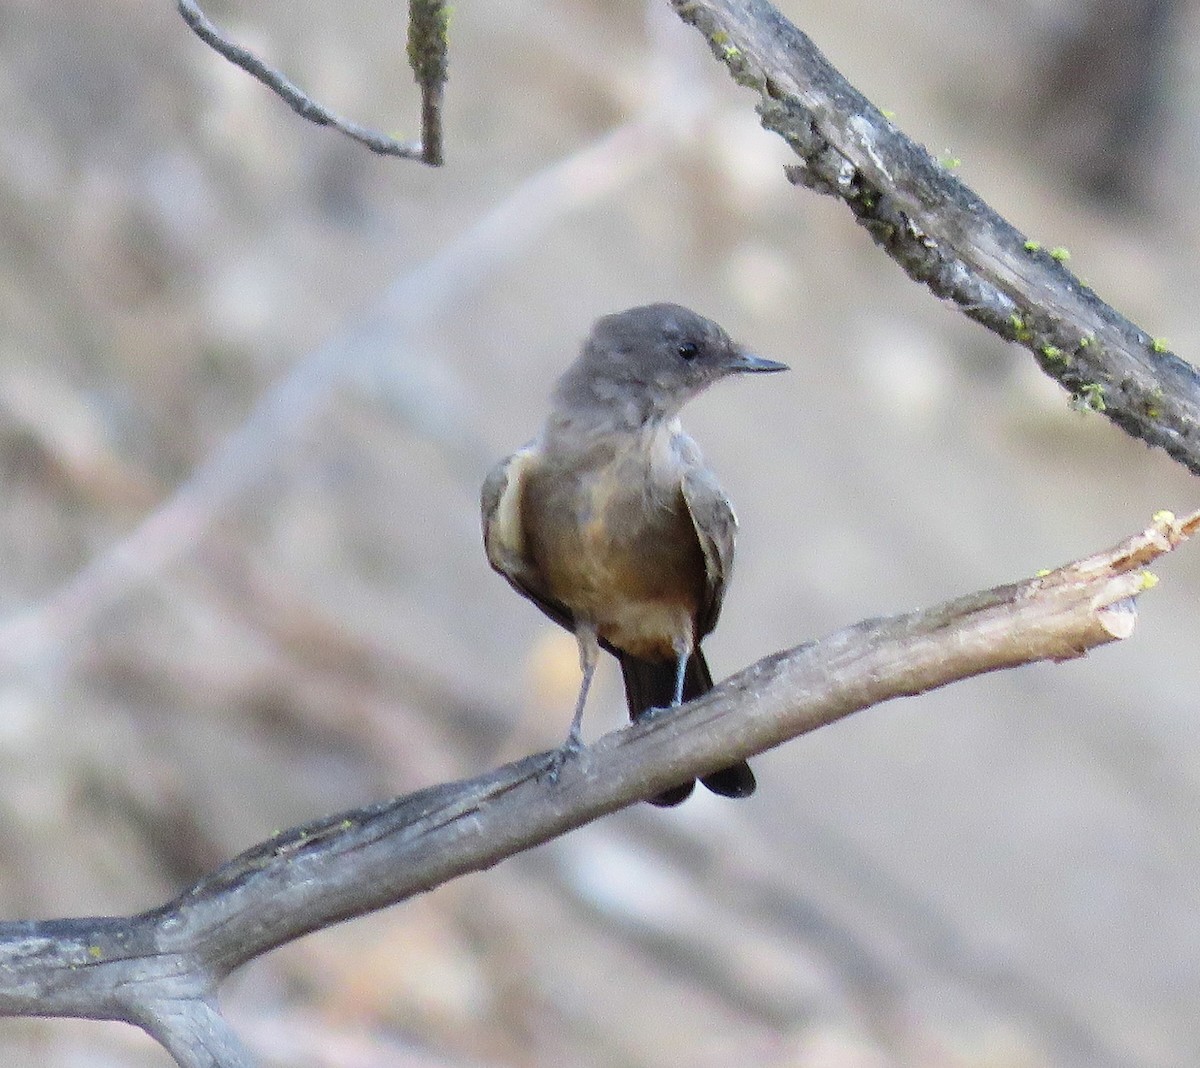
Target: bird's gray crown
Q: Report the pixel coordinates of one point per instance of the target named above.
(642, 365)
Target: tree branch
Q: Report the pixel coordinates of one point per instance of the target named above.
(945, 236)
(160, 969)
(428, 20)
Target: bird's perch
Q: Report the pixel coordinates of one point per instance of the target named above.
(161, 969)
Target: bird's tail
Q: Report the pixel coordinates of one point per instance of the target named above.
(651, 684)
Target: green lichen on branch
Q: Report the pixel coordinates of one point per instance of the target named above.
(428, 55)
(744, 73)
(944, 236)
(1020, 332)
(1089, 398)
(428, 40)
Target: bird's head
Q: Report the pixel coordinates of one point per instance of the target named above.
(651, 360)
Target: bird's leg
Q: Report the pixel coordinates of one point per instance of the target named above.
(681, 659)
(683, 653)
(589, 653)
(684, 644)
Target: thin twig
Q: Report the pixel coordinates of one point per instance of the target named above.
(160, 969)
(945, 236)
(427, 55)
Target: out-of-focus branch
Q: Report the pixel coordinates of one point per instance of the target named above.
(161, 969)
(945, 236)
(1101, 86)
(427, 55)
(377, 349)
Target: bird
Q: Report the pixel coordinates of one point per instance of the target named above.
(611, 522)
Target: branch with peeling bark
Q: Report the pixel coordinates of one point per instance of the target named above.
(161, 969)
(945, 236)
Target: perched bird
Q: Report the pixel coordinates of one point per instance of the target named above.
(610, 522)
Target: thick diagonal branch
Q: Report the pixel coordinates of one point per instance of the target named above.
(160, 969)
(945, 236)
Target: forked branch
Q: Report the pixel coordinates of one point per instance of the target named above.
(427, 25)
(161, 969)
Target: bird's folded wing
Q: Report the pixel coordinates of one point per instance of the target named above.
(716, 527)
(504, 533)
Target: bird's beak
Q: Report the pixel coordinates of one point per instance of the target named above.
(744, 362)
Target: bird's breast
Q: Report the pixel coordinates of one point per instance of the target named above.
(614, 542)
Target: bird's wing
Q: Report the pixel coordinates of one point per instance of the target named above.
(716, 527)
(504, 533)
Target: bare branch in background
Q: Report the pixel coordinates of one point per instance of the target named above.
(427, 55)
(377, 350)
(945, 236)
(161, 969)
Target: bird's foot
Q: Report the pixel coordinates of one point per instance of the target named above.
(556, 759)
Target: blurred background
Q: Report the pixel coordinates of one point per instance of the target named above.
(251, 378)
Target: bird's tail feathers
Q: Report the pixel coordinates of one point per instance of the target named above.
(651, 684)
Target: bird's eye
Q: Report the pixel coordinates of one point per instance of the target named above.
(689, 350)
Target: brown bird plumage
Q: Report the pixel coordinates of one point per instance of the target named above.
(610, 522)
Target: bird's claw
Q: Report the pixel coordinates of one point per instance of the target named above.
(556, 759)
